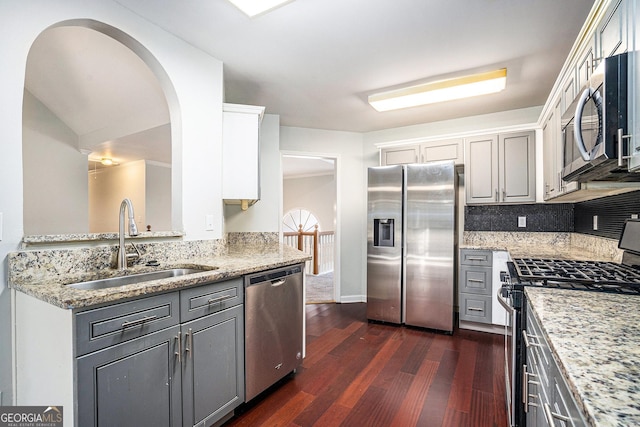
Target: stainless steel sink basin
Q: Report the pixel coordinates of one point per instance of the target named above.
(113, 282)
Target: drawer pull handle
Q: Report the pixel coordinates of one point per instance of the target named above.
(528, 343)
(138, 322)
(219, 299)
(475, 280)
(475, 309)
(476, 258)
(550, 415)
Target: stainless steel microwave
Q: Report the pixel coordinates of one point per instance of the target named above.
(594, 127)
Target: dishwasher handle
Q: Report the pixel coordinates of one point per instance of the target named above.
(276, 278)
(279, 282)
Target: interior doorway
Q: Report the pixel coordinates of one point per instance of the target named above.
(309, 219)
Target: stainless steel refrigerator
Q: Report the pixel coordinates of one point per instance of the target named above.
(411, 244)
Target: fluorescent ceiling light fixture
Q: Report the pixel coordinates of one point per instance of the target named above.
(439, 91)
(256, 7)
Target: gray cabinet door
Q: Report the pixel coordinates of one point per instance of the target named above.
(132, 384)
(213, 366)
(481, 162)
(517, 152)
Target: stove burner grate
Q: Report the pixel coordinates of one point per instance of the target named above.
(589, 275)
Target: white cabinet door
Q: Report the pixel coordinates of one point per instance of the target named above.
(481, 164)
(634, 91)
(450, 149)
(399, 155)
(241, 153)
(611, 34)
(517, 168)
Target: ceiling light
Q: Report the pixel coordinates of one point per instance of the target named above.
(442, 90)
(257, 7)
(106, 161)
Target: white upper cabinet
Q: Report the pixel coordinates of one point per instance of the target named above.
(634, 89)
(241, 154)
(611, 34)
(500, 168)
(449, 149)
(425, 152)
(403, 155)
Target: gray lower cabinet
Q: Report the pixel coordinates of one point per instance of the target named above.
(213, 366)
(547, 399)
(135, 383)
(475, 285)
(174, 359)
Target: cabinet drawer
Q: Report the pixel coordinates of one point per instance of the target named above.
(475, 308)
(207, 299)
(476, 257)
(475, 280)
(106, 326)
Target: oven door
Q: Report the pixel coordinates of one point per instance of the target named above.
(510, 372)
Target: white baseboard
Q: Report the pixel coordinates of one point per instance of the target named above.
(346, 299)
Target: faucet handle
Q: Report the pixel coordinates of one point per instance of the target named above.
(137, 255)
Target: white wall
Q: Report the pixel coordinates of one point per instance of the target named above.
(158, 197)
(264, 215)
(193, 85)
(108, 187)
(50, 153)
(317, 194)
(346, 147)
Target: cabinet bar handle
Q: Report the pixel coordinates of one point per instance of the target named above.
(621, 137)
(475, 280)
(179, 344)
(475, 309)
(476, 258)
(189, 345)
(550, 415)
(138, 322)
(497, 197)
(219, 299)
(525, 388)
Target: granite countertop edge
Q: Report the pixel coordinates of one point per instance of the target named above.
(604, 383)
(235, 263)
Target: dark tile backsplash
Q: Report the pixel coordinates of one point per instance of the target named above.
(612, 211)
(539, 217)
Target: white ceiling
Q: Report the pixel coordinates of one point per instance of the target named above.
(312, 62)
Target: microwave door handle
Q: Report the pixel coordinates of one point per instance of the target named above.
(577, 123)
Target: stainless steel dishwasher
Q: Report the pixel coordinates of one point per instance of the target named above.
(273, 327)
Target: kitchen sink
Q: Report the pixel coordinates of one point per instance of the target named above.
(113, 282)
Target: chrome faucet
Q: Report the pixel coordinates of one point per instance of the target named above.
(123, 257)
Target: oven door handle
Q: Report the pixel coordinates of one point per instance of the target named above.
(503, 302)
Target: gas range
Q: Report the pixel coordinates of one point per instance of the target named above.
(597, 276)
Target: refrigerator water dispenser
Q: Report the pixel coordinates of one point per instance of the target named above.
(383, 232)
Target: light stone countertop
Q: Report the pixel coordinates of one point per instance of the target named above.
(545, 245)
(237, 261)
(595, 339)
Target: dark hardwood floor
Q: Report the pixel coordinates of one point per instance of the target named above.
(367, 374)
